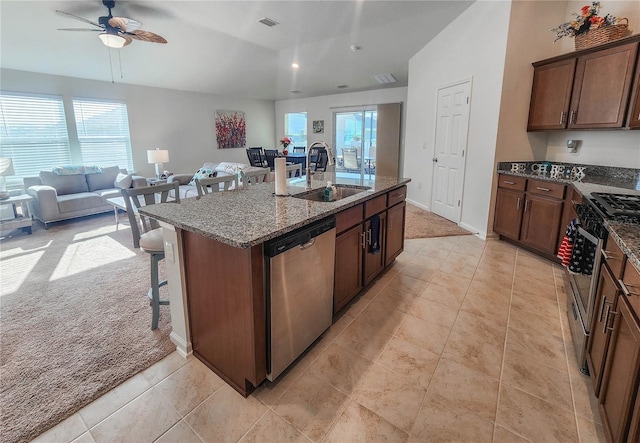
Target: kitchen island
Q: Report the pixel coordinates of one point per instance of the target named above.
(215, 262)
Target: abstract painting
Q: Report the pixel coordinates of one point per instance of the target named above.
(231, 131)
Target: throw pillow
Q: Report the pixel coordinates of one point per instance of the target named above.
(123, 181)
(202, 173)
(104, 180)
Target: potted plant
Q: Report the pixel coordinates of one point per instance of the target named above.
(590, 29)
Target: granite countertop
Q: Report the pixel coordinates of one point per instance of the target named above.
(627, 236)
(247, 217)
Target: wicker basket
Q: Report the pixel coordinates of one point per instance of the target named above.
(602, 35)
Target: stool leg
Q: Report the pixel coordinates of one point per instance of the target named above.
(155, 291)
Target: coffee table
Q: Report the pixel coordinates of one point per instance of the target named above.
(20, 221)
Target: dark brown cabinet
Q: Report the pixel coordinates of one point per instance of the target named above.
(395, 232)
(551, 95)
(606, 299)
(356, 264)
(634, 107)
(620, 380)
(541, 223)
(529, 211)
(601, 88)
(589, 89)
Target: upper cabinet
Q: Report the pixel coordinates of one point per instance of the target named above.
(589, 89)
(634, 114)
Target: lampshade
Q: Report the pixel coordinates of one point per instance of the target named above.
(157, 156)
(112, 40)
(6, 167)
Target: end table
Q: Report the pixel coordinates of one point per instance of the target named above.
(20, 221)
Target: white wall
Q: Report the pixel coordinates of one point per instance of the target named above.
(323, 107)
(182, 122)
(473, 45)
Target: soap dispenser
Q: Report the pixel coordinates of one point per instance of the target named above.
(329, 192)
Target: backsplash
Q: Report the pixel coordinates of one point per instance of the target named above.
(609, 175)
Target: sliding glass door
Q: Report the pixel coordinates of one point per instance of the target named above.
(355, 143)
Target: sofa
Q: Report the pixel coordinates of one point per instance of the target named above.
(70, 192)
(187, 186)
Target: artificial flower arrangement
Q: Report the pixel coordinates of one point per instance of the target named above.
(587, 20)
(286, 141)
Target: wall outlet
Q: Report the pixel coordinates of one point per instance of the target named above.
(419, 184)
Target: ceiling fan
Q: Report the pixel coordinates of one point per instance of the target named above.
(115, 32)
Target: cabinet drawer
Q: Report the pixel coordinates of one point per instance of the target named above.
(397, 195)
(631, 288)
(548, 189)
(348, 217)
(615, 258)
(511, 182)
(375, 205)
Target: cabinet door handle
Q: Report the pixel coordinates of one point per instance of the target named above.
(572, 117)
(518, 203)
(562, 116)
(607, 327)
(507, 182)
(369, 237)
(362, 240)
(606, 319)
(602, 305)
(626, 290)
(526, 205)
(543, 189)
(608, 255)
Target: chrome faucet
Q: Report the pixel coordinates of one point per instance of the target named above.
(320, 144)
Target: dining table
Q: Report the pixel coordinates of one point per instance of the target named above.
(298, 157)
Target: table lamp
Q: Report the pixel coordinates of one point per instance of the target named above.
(158, 156)
(6, 169)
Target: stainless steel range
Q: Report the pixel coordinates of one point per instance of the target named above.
(589, 238)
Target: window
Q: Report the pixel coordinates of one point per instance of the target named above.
(295, 127)
(103, 133)
(33, 134)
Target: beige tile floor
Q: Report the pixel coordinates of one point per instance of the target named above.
(461, 340)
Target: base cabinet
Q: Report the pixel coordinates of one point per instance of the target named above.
(348, 271)
(508, 216)
(395, 232)
(541, 223)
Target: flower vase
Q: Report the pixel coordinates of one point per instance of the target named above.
(285, 151)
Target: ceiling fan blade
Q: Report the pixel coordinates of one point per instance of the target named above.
(125, 24)
(127, 38)
(146, 36)
(79, 18)
(81, 29)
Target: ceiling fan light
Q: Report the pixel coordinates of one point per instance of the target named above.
(112, 40)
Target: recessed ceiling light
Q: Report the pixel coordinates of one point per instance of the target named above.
(385, 78)
(342, 86)
(295, 65)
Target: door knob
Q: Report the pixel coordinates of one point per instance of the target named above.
(435, 159)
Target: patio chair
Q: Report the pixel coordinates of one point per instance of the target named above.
(350, 159)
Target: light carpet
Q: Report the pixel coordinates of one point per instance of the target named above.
(424, 224)
(74, 321)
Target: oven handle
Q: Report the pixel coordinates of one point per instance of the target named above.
(591, 238)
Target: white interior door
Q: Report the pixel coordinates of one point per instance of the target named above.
(452, 124)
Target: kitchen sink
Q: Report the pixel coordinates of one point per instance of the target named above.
(342, 191)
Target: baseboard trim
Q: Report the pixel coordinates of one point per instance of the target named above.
(421, 206)
(183, 348)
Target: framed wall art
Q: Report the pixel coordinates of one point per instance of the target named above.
(231, 131)
(318, 126)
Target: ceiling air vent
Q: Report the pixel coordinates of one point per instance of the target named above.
(295, 92)
(342, 86)
(385, 78)
(267, 21)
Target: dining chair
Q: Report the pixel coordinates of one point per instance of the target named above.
(294, 170)
(255, 176)
(256, 157)
(350, 159)
(313, 155)
(323, 159)
(299, 149)
(211, 185)
(270, 155)
(149, 234)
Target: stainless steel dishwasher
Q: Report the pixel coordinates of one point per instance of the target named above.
(300, 291)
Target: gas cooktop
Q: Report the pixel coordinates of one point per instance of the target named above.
(623, 207)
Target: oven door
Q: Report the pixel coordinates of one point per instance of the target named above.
(581, 300)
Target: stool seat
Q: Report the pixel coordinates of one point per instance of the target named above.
(152, 241)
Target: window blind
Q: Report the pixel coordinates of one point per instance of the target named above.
(33, 134)
(103, 133)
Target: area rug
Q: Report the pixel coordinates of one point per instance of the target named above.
(424, 224)
(74, 321)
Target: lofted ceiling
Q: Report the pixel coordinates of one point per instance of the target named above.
(218, 47)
